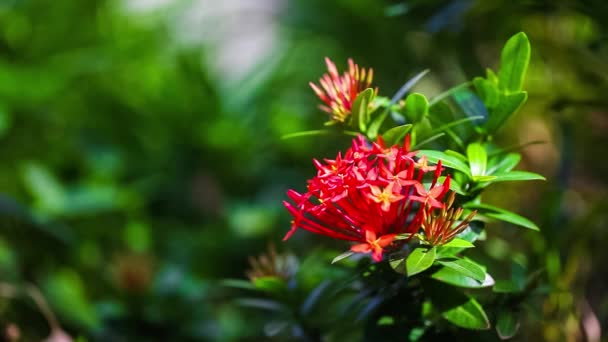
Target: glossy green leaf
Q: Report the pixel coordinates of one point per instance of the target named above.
(514, 61)
(502, 215)
(419, 260)
(459, 243)
(478, 159)
(466, 268)
(416, 107)
(395, 135)
(360, 109)
(453, 277)
(516, 176)
(469, 315)
(446, 159)
(507, 324)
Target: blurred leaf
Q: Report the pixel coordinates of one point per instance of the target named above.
(507, 324)
(46, 189)
(419, 260)
(487, 90)
(416, 107)
(270, 284)
(502, 214)
(66, 291)
(469, 316)
(514, 61)
(506, 286)
(396, 134)
(507, 106)
(314, 297)
(137, 236)
(5, 120)
(478, 159)
(466, 267)
(342, 256)
(238, 283)
(452, 277)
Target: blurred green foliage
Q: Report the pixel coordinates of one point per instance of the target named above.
(141, 165)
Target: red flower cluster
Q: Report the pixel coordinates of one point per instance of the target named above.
(339, 92)
(370, 195)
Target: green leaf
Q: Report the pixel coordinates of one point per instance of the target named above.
(446, 159)
(305, 133)
(342, 256)
(469, 315)
(478, 159)
(514, 61)
(419, 260)
(395, 135)
(459, 243)
(507, 324)
(466, 267)
(507, 106)
(507, 286)
(487, 90)
(270, 284)
(452, 277)
(374, 127)
(238, 283)
(416, 107)
(360, 109)
(502, 215)
(504, 163)
(516, 176)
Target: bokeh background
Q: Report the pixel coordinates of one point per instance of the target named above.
(141, 158)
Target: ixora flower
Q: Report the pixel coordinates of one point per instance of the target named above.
(339, 92)
(440, 228)
(370, 196)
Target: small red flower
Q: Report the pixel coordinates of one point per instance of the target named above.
(368, 195)
(339, 92)
(373, 244)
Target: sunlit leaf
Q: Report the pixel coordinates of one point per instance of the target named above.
(478, 159)
(502, 214)
(419, 260)
(459, 243)
(516, 176)
(514, 61)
